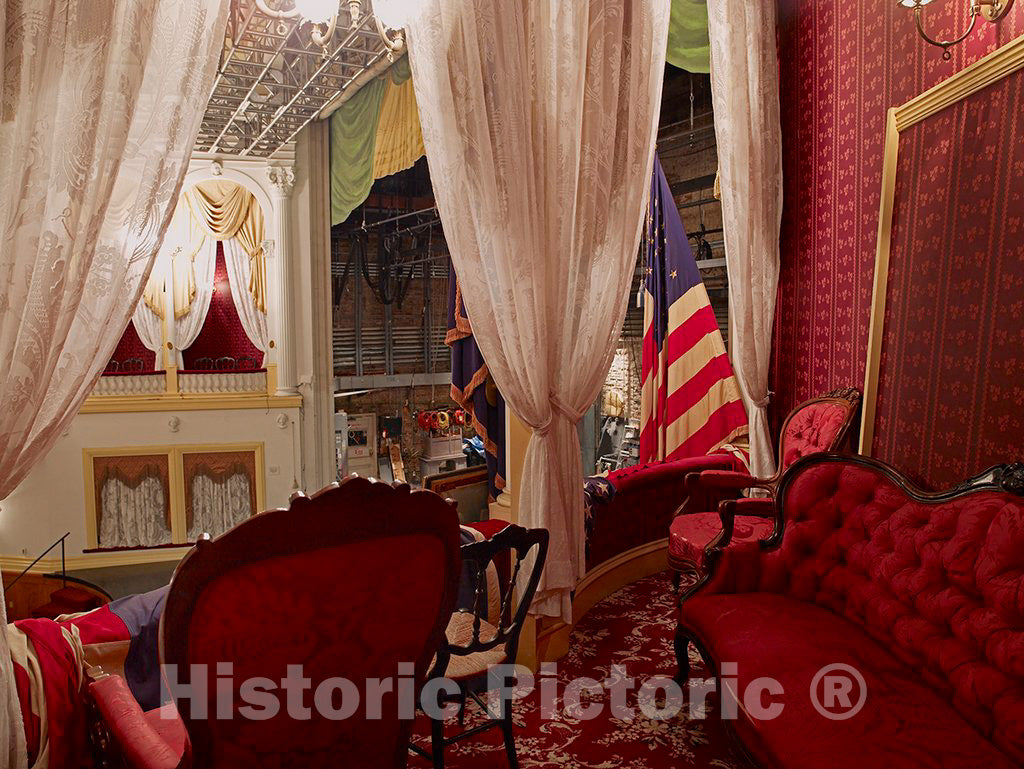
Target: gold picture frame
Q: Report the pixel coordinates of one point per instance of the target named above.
(999, 64)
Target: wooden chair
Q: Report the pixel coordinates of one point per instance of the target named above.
(820, 424)
(488, 634)
(349, 584)
(203, 364)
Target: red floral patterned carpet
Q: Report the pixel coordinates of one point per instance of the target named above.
(632, 628)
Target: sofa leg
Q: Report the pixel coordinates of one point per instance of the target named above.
(682, 649)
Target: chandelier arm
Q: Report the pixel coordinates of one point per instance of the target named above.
(268, 11)
(394, 44)
(945, 44)
(322, 39)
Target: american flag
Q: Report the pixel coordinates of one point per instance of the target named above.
(690, 403)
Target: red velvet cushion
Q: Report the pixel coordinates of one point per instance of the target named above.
(338, 614)
(690, 534)
(645, 498)
(941, 585)
(903, 722)
(812, 429)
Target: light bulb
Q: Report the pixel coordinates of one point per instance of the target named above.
(317, 11)
(396, 13)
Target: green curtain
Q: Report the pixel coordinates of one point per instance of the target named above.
(353, 130)
(688, 45)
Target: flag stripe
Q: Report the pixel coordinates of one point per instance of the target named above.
(718, 430)
(690, 402)
(696, 387)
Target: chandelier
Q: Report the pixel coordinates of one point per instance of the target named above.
(991, 10)
(322, 17)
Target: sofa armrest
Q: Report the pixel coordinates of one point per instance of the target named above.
(762, 507)
(721, 480)
(139, 744)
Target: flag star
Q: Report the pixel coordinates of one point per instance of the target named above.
(650, 270)
(674, 273)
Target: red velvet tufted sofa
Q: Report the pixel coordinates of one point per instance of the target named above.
(641, 507)
(923, 594)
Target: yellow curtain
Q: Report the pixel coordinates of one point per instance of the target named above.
(226, 210)
(399, 142)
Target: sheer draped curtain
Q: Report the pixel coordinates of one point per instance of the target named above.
(194, 268)
(99, 108)
(745, 95)
(539, 120)
(239, 266)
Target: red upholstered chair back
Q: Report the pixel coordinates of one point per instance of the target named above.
(350, 583)
(936, 578)
(820, 424)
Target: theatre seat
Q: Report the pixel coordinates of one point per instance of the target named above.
(820, 424)
(349, 584)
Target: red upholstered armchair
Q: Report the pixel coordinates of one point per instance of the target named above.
(349, 584)
(820, 424)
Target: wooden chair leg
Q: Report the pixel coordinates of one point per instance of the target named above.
(437, 742)
(510, 740)
(677, 577)
(462, 706)
(682, 649)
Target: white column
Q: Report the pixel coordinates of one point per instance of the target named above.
(283, 323)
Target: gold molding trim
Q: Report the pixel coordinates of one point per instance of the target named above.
(96, 560)
(120, 404)
(997, 65)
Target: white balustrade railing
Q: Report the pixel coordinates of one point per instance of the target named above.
(152, 383)
(214, 382)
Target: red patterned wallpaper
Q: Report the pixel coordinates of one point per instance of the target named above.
(842, 65)
(951, 381)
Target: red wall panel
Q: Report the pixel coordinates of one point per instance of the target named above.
(842, 65)
(951, 377)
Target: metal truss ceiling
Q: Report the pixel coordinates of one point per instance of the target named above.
(272, 80)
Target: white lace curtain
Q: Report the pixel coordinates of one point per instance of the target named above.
(133, 516)
(539, 121)
(99, 108)
(745, 95)
(219, 505)
(254, 322)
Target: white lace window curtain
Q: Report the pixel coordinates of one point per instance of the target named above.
(539, 121)
(254, 322)
(218, 506)
(745, 96)
(99, 108)
(133, 516)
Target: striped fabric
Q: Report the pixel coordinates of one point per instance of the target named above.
(690, 403)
